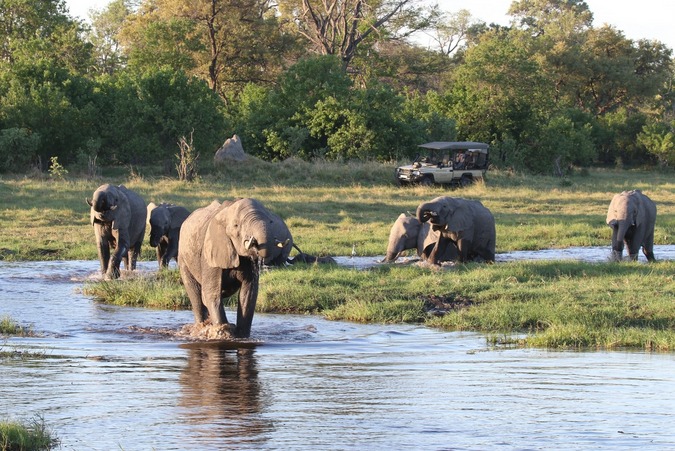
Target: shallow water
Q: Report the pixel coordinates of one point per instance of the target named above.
(591, 254)
(112, 380)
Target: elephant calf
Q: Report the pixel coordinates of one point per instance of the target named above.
(465, 224)
(118, 217)
(632, 216)
(409, 233)
(165, 221)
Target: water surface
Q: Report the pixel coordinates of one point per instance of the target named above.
(112, 378)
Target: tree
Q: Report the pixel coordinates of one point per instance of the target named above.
(106, 27)
(452, 31)
(228, 43)
(31, 31)
(341, 27)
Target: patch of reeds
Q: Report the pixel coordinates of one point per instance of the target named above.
(26, 436)
(8, 326)
(161, 290)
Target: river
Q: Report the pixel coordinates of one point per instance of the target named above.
(111, 378)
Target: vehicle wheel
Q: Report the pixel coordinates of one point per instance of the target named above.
(427, 181)
(466, 180)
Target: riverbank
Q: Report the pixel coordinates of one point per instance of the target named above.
(557, 304)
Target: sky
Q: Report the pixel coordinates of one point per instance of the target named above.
(644, 19)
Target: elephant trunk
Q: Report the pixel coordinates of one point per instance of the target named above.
(427, 212)
(393, 252)
(619, 230)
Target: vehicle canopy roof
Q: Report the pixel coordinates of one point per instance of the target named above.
(456, 145)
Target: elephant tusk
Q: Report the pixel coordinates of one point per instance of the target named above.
(249, 243)
(113, 208)
(281, 244)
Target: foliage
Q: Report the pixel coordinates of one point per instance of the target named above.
(548, 91)
(56, 170)
(343, 30)
(659, 140)
(315, 112)
(145, 117)
(224, 42)
(18, 148)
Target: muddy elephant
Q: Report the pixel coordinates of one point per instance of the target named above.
(631, 216)
(165, 221)
(409, 233)
(465, 224)
(118, 216)
(221, 250)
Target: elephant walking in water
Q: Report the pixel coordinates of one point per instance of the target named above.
(165, 221)
(118, 217)
(632, 216)
(465, 224)
(220, 252)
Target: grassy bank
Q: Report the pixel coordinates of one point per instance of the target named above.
(558, 304)
(331, 208)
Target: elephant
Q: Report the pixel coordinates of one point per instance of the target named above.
(165, 221)
(221, 250)
(118, 217)
(465, 224)
(409, 233)
(632, 216)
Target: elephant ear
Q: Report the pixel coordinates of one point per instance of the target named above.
(640, 208)
(459, 218)
(218, 248)
(151, 206)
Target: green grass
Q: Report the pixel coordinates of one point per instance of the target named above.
(161, 290)
(26, 436)
(10, 327)
(331, 208)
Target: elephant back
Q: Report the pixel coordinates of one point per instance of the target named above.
(192, 233)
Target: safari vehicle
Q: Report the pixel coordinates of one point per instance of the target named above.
(457, 163)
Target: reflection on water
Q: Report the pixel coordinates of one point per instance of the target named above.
(307, 383)
(221, 395)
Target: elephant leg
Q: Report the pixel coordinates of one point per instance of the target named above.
(648, 247)
(633, 247)
(194, 292)
(103, 248)
(248, 296)
(104, 256)
(135, 253)
(617, 245)
(171, 252)
(212, 295)
(463, 248)
(162, 258)
(439, 249)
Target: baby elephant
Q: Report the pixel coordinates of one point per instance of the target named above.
(165, 221)
(409, 233)
(632, 216)
(465, 224)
